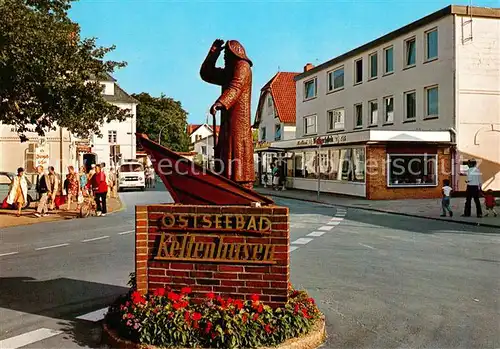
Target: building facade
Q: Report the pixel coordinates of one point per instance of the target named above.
(60, 148)
(405, 111)
(275, 122)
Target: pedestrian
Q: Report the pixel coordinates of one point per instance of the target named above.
(91, 172)
(111, 183)
(147, 177)
(489, 203)
(18, 193)
(100, 188)
(72, 187)
(43, 189)
(446, 200)
(83, 179)
(276, 177)
(54, 187)
(473, 190)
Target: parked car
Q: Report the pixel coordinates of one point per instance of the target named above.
(131, 176)
(6, 179)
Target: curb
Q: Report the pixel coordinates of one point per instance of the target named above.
(476, 224)
(312, 340)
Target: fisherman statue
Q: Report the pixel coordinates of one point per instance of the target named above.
(234, 143)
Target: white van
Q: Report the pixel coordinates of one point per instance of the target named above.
(131, 176)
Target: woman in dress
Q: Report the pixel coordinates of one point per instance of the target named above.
(73, 186)
(83, 179)
(18, 194)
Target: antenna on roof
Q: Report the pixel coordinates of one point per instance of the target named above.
(278, 68)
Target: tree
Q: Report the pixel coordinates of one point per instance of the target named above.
(255, 135)
(165, 115)
(48, 75)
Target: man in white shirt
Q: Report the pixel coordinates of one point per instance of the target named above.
(473, 189)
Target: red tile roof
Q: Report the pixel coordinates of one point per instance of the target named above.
(282, 89)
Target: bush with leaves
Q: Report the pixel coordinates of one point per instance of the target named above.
(169, 319)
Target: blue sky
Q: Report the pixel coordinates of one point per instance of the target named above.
(165, 42)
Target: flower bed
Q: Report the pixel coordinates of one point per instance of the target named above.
(169, 319)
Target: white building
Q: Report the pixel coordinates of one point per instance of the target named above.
(275, 120)
(197, 132)
(59, 148)
(431, 87)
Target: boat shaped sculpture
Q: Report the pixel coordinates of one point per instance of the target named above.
(191, 184)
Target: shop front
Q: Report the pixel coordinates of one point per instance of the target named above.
(372, 164)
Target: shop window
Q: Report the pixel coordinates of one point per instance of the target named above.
(405, 170)
(310, 164)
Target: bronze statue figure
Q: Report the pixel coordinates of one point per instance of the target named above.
(234, 146)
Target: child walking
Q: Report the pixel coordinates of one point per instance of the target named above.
(446, 200)
(489, 202)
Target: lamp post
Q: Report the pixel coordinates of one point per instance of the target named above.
(159, 135)
(319, 142)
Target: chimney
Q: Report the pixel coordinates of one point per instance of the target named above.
(308, 67)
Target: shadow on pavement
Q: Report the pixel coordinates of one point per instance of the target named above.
(63, 299)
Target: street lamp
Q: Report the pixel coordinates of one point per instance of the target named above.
(159, 136)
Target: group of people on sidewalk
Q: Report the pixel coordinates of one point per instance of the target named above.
(473, 192)
(96, 182)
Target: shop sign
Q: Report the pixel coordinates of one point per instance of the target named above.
(262, 145)
(42, 154)
(324, 140)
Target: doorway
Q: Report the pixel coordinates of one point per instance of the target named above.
(89, 159)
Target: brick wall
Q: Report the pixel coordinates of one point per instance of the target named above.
(376, 176)
(236, 279)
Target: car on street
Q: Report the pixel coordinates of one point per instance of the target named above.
(131, 176)
(6, 179)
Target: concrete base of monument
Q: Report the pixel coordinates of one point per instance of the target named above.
(312, 340)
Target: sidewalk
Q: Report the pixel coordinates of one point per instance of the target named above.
(8, 217)
(424, 208)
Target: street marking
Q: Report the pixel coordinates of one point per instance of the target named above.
(28, 338)
(340, 214)
(8, 254)
(368, 246)
(302, 241)
(325, 227)
(336, 219)
(293, 248)
(95, 239)
(333, 223)
(316, 233)
(53, 246)
(126, 232)
(94, 316)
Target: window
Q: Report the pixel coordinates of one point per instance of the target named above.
(410, 52)
(373, 65)
(310, 164)
(310, 89)
(373, 112)
(432, 101)
(410, 105)
(358, 71)
(204, 149)
(269, 101)
(263, 134)
(408, 170)
(358, 113)
(131, 168)
(336, 79)
(389, 110)
(299, 166)
(431, 44)
(103, 89)
(388, 60)
(336, 119)
(111, 136)
(277, 132)
(310, 124)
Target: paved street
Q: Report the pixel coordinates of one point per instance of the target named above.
(383, 281)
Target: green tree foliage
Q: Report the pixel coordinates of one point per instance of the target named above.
(155, 114)
(255, 135)
(45, 69)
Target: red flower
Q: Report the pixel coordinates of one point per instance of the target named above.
(186, 316)
(211, 295)
(305, 313)
(130, 316)
(255, 317)
(159, 292)
(267, 328)
(186, 290)
(255, 297)
(220, 300)
(173, 296)
(296, 310)
(213, 335)
(238, 304)
(310, 300)
(137, 298)
(196, 316)
(229, 301)
(208, 328)
(260, 309)
(244, 318)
